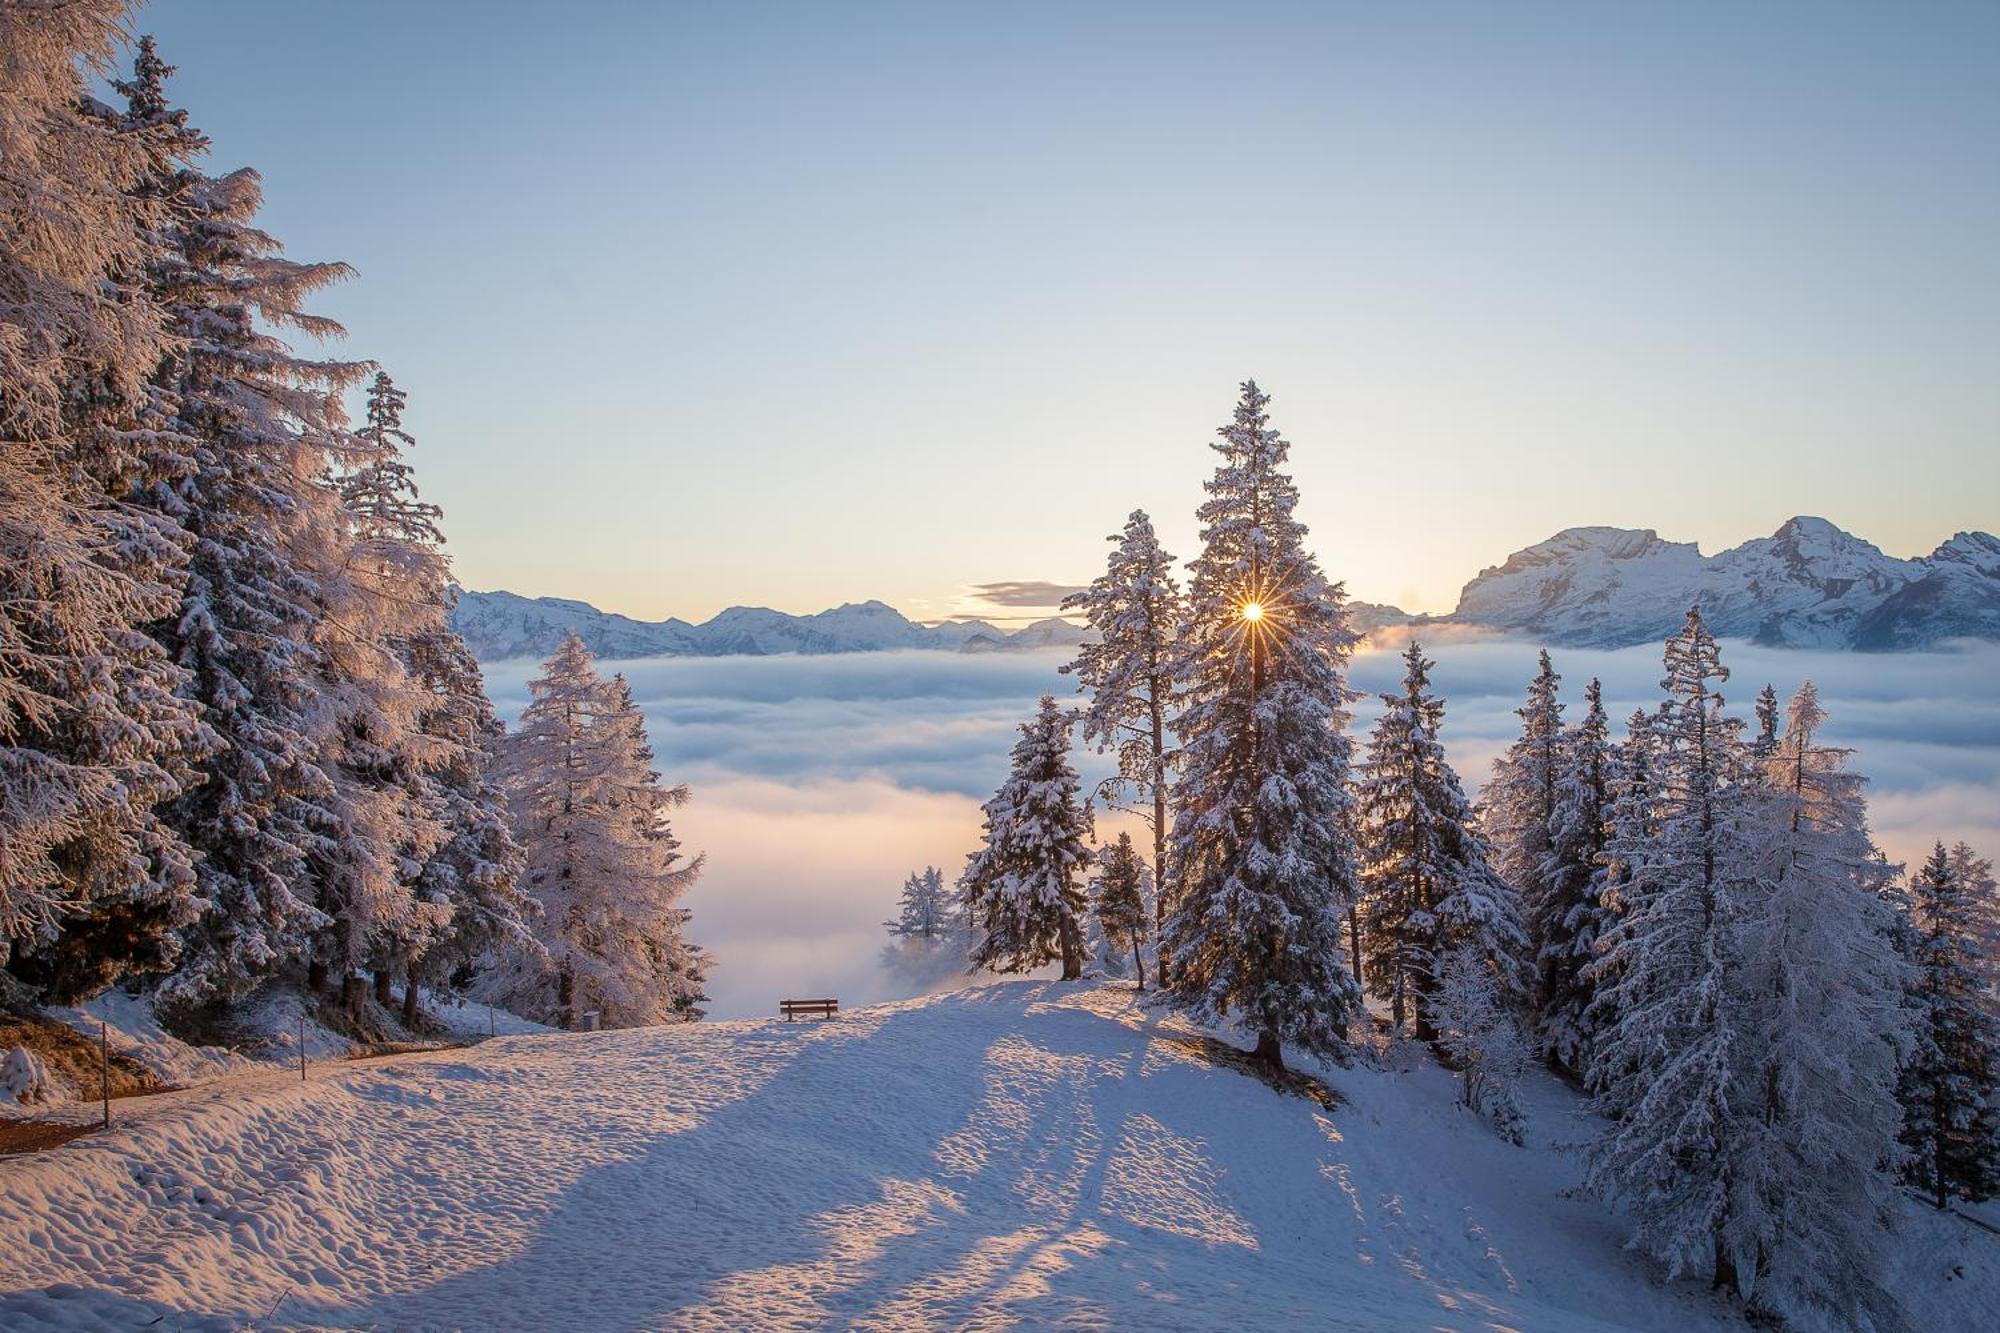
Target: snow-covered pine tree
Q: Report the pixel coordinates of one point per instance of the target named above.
(1262, 854)
(1666, 1060)
(387, 595)
(478, 868)
(1819, 1014)
(1123, 884)
(1766, 742)
(1477, 1031)
(1518, 805)
(932, 934)
(659, 876)
(1135, 606)
(1950, 1086)
(1024, 887)
(92, 734)
(1426, 886)
(1976, 873)
(466, 900)
(600, 858)
(266, 527)
(1566, 925)
(924, 911)
(1631, 834)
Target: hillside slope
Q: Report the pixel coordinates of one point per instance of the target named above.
(1024, 1152)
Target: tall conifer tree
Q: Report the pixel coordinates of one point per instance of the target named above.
(1820, 1014)
(1426, 888)
(1666, 1060)
(1262, 853)
(601, 859)
(1025, 886)
(92, 735)
(1951, 1084)
(1136, 607)
(1565, 926)
(1518, 805)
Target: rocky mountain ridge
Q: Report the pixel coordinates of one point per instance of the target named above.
(1810, 584)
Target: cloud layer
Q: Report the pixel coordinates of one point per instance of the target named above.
(820, 782)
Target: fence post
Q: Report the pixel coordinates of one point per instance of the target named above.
(302, 1045)
(491, 1030)
(104, 1066)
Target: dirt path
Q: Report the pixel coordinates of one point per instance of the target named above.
(52, 1128)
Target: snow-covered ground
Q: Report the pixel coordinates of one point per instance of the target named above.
(1026, 1153)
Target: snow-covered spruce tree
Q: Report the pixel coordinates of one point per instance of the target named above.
(1976, 873)
(1766, 741)
(1667, 1060)
(1566, 925)
(478, 868)
(1631, 833)
(1119, 894)
(1135, 606)
(931, 936)
(466, 901)
(1477, 1031)
(92, 734)
(387, 591)
(267, 532)
(600, 858)
(1262, 855)
(1426, 887)
(1950, 1087)
(924, 911)
(661, 876)
(1024, 887)
(1820, 1020)
(1518, 804)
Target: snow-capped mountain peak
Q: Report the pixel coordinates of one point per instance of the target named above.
(1809, 584)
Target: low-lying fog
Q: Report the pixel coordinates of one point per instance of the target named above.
(821, 782)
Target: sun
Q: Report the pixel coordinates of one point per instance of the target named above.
(1253, 611)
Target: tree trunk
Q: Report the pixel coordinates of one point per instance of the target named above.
(1138, 962)
(1072, 952)
(410, 999)
(1725, 1271)
(566, 997)
(1270, 1051)
(1354, 941)
(1159, 850)
(353, 991)
(316, 977)
(383, 995)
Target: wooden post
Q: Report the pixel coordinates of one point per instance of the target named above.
(302, 1045)
(104, 1066)
(491, 1030)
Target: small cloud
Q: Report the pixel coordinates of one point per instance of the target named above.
(1023, 592)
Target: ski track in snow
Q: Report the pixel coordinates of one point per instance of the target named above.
(1020, 1153)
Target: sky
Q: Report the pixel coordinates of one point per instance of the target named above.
(819, 783)
(799, 304)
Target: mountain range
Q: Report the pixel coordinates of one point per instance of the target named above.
(498, 625)
(1808, 585)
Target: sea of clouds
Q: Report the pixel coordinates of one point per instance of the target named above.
(821, 782)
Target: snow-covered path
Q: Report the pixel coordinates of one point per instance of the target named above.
(1024, 1152)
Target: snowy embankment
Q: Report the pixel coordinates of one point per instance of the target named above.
(1026, 1152)
(269, 1030)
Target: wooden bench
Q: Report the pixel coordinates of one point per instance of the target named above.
(808, 1008)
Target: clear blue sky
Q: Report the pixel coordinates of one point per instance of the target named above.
(794, 304)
